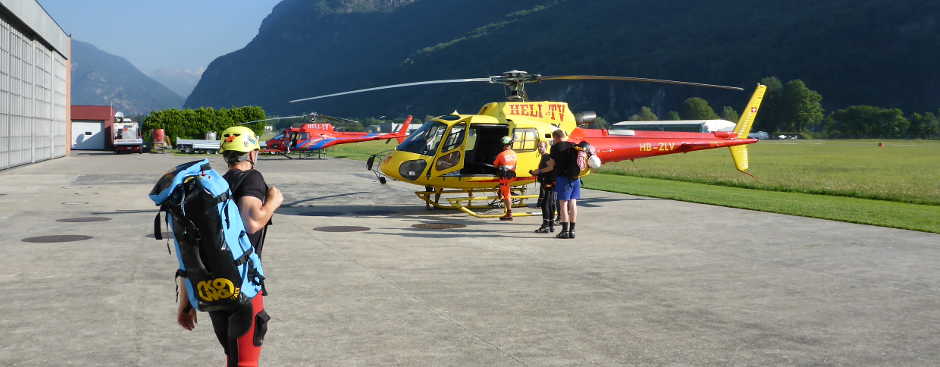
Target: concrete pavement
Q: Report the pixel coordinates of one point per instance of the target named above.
(648, 282)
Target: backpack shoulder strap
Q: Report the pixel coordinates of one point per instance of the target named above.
(157, 230)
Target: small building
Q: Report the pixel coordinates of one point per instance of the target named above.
(91, 127)
(411, 128)
(694, 126)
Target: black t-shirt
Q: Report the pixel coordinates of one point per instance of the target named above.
(548, 177)
(566, 159)
(249, 183)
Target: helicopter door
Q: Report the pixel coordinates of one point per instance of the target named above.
(451, 157)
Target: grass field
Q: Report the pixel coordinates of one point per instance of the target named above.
(360, 151)
(903, 170)
(918, 217)
(857, 181)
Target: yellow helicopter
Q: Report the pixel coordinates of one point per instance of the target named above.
(451, 155)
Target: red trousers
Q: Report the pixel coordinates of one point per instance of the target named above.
(241, 332)
(505, 190)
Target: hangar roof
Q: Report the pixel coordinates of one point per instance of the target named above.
(34, 16)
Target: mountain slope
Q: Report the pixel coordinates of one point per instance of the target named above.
(877, 52)
(99, 78)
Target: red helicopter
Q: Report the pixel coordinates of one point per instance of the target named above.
(314, 137)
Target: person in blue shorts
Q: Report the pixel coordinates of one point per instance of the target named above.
(564, 164)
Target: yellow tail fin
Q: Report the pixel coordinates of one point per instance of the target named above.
(739, 154)
(743, 128)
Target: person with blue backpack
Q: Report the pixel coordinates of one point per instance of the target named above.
(219, 225)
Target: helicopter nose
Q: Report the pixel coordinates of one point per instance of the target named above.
(411, 170)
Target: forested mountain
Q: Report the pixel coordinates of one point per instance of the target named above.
(100, 78)
(877, 52)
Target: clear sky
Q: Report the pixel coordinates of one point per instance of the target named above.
(157, 34)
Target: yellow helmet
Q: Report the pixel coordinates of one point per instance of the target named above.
(239, 139)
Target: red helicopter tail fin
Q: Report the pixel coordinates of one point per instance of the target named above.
(403, 132)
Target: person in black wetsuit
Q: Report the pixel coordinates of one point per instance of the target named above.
(241, 330)
(548, 199)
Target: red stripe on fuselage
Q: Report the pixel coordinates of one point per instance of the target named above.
(615, 148)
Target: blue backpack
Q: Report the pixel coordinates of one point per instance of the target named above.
(216, 258)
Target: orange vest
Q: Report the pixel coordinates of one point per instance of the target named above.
(506, 158)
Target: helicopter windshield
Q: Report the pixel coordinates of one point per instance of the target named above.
(425, 140)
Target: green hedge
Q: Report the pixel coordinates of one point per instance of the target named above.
(194, 124)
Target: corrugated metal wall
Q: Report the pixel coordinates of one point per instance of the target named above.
(33, 107)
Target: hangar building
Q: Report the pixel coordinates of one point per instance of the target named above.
(35, 85)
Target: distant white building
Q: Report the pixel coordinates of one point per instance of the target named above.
(694, 126)
(390, 127)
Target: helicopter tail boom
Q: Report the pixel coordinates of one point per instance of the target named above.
(616, 146)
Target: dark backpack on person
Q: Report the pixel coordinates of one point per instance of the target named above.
(216, 258)
(569, 165)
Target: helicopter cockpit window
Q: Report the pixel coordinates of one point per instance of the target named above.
(525, 140)
(425, 140)
(455, 138)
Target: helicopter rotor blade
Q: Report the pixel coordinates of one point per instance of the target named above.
(446, 81)
(271, 119)
(328, 117)
(639, 80)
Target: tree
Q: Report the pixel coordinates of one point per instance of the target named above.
(673, 115)
(768, 119)
(800, 108)
(867, 122)
(196, 123)
(696, 108)
(645, 114)
(729, 114)
(924, 126)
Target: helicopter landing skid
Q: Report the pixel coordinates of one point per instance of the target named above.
(458, 203)
(467, 204)
(300, 154)
(318, 154)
